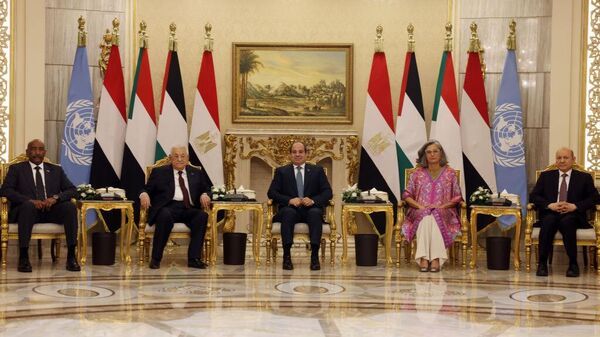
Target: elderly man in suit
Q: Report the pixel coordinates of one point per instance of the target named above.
(562, 197)
(176, 193)
(301, 191)
(40, 192)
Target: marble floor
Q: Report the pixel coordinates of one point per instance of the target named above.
(251, 300)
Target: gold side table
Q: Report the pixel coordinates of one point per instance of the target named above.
(496, 211)
(349, 225)
(231, 207)
(126, 207)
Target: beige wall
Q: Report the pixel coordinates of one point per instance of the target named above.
(310, 21)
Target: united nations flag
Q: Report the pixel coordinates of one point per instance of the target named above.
(507, 137)
(78, 139)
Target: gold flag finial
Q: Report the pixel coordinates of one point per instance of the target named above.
(511, 41)
(379, 39)
(172, 38)
(411, 38)
(82, 35)
(143, 35)
(116, 23)
(208, 40)
(448, 39)
(105, 46)
(475, 47)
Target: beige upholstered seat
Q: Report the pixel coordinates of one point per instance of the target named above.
(180, 230)
(586, 237)
(40, 231)
(460, 242)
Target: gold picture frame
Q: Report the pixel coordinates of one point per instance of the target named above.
(292, 83)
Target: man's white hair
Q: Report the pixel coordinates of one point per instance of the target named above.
(179, 147)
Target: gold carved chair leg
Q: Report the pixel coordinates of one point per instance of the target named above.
(323, 250)
(332, 251)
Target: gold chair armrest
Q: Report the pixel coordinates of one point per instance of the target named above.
(530, 219)
(4, 206)
(269, 224)
(330, 216)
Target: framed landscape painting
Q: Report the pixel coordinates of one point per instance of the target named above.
(295, 83)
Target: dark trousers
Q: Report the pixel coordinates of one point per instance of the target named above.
(27, 216)
(289, 216)
(174, 212)
(567, 225)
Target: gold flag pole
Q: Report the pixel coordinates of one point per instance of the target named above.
(448, 39)
(82, 34)
(411, 38)
(475, 47)
(379, 39)
(143, 35)
(172, 37)
(208, 40)
(511, 41)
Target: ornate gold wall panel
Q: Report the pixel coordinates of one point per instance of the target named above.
(273, 148)
(592, 125)
(4, 77)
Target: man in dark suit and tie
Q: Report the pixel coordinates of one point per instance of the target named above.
(176, 193)
(40, 192)
(562, 197)
(301, 191)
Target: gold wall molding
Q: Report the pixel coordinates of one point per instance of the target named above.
(273, 148)
(5, 44)
(592, 125)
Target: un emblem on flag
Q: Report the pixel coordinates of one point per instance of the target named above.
(507, 136)
(79, 135)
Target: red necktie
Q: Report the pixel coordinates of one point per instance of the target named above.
(186, 196)
(562, 193)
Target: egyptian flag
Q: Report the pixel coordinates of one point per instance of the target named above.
(110, 130)
(205, 134)
(410, 125)
(172, 125)
(445, 120)
(378, 158)
(476, 139)
(141, 130)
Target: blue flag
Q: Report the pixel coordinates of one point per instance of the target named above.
(508, 138)
(78, 139)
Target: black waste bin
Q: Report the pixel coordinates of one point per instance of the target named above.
(103, 248)
(234, 248)
(498, 252)
(366, 249)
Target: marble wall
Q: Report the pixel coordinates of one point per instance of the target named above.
(533, 18)
(61, 43)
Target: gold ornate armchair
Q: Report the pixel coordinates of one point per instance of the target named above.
(460, 242)
(41, 231)
(273, 230)
(180, 230)
(586, 237)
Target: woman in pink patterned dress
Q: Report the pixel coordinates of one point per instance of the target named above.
(432, 193)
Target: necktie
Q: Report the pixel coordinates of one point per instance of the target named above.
(562, 193)
(299, 181)
(40, 191)
(186, 196)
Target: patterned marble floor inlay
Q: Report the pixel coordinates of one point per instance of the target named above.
(250, 300)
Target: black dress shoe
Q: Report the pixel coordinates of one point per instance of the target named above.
(24, 266)
(542, 270)
(196, 263)
(287, 263)
(314, 264)
(154, 264)
(72, 264)
(573, 270)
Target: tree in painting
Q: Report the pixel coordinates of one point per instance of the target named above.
(248, 64)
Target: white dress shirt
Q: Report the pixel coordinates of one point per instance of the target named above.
(178, 196)
(560, 178)
(42, 172)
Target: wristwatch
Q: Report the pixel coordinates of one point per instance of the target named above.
(55, 197)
